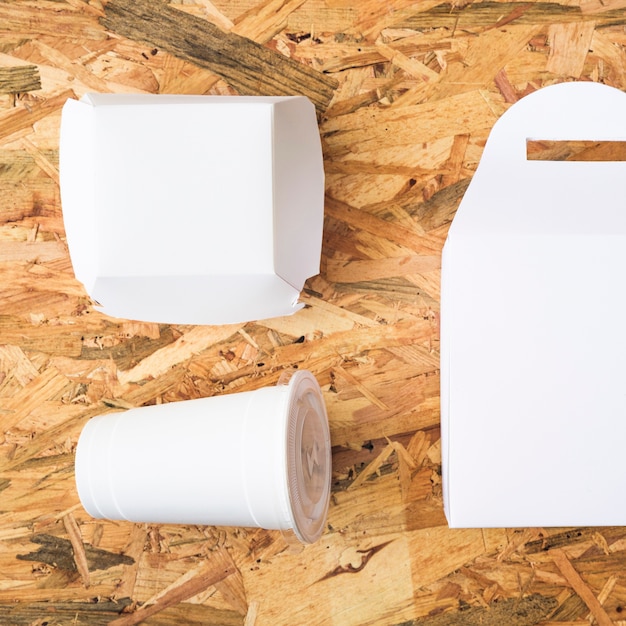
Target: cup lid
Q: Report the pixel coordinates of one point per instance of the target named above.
(308, 456)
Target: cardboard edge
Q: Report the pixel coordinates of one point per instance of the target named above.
(444, 381)
(299, 204)
(77, 176)
(227, 299)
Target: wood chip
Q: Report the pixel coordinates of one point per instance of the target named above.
(250, 68)
(217, 566)
(569, 46)
(374, 269)
(361, 387)
(69, 521)
(23, 117)
(581, 588)
(184, 348)
(19, 79)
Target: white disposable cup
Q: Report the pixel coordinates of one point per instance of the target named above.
(259, 458)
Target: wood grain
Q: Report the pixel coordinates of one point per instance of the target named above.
(19, 79)
(250, 68)
(407, 93)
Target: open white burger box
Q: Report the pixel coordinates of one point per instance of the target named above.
(192, 209)
(533, 330)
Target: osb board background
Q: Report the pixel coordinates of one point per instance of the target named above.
(407, 93)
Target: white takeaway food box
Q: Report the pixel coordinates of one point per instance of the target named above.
(192, 209)
(533, 324)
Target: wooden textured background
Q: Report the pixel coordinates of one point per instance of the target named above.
(407, 93)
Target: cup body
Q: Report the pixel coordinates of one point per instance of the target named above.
(258, 458)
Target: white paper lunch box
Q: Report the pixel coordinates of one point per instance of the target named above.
(192, 209)
(533, 324)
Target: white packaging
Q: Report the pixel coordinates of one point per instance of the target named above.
(533, 334)
(259, 458)
(192, 209)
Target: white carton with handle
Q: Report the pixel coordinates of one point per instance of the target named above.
(192, 209)
(533, 335)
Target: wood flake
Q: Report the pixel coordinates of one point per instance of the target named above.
(78, 548)
(23, 117)
(19, 78)
(217, 567)
(569, 46)
(581, 588)
(258, 70)
(185, 347)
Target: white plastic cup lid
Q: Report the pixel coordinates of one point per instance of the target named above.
(308, 456)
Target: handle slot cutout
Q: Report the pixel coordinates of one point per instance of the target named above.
(575, 150)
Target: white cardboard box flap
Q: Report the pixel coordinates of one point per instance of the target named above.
(533, 332)
(192, 209)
